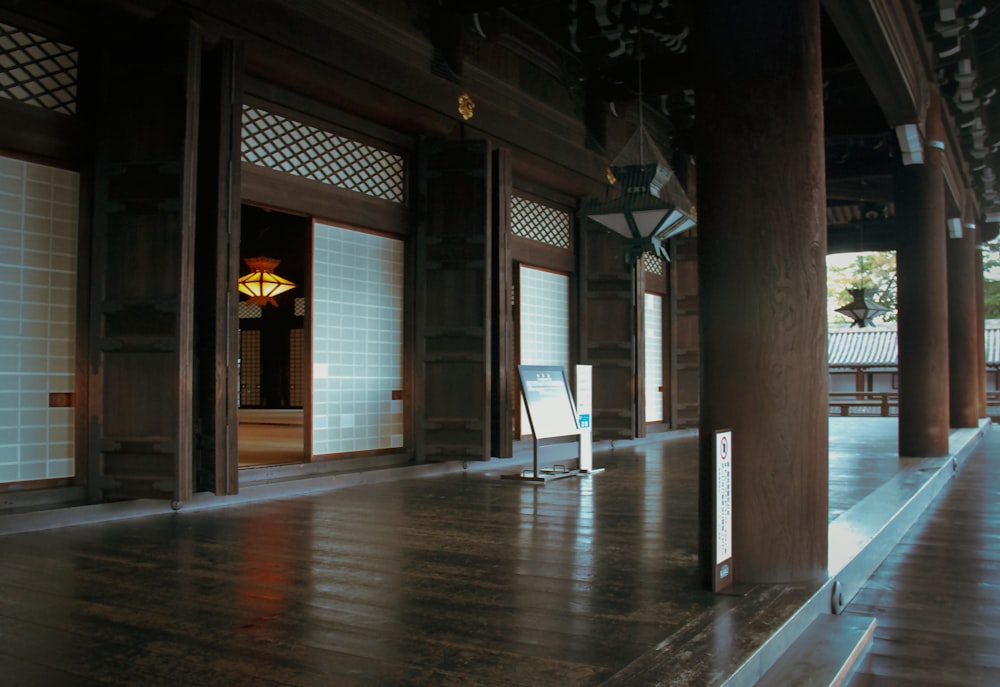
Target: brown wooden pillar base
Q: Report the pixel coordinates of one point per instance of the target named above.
(762, 283)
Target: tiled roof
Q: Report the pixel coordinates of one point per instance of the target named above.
(992, 344)
(876, 346)
(868, 347)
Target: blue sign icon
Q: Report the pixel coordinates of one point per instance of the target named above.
(723, 572)
(585, 421)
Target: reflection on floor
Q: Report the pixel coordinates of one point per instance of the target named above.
(460, 578)
(270, 437)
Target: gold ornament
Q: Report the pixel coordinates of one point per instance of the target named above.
(466, 107)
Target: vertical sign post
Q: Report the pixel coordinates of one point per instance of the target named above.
(584, 407)
(723, 578)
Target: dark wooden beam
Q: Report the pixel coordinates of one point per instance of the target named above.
(847, 238)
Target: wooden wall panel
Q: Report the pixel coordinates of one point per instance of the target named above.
(142, 251)
(685, 378)
(607, 331)
(454, 277)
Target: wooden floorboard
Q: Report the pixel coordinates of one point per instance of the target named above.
(462, 579)
(937, 595)
(459, 580)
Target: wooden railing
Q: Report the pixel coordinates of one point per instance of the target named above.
(863, 403)
(886, 403)
(993, 405)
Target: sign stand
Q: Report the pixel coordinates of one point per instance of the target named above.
(722, 580)
(551, 414)
(584, 408)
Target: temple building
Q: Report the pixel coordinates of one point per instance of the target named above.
(269, 240)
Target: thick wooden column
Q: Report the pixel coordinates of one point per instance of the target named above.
(963, 358)
(503, 388)
(981, 404)
(762, 283)
(922, 299)
(216, 445)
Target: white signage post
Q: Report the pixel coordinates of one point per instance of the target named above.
(723, 578)
(584, 409)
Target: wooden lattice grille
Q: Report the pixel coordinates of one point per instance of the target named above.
(653, 264)
(249, 369)
(249, 311)
(37, 71)
(285, 145)
(539, 222)
(296, 367)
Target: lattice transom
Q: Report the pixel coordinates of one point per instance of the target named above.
(539, 222)
(653, 264)
(249, 311)
(285, 145)
(37, 71)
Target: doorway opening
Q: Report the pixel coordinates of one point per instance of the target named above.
(272, 365)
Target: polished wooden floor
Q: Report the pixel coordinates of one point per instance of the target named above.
(462, 579)
(270, 444)
(937, 596)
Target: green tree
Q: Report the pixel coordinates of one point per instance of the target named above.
(873, 270)
(991, 274)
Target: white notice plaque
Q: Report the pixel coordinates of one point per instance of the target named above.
(584, 408)
(723, 508)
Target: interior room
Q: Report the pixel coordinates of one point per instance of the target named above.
(273, 383)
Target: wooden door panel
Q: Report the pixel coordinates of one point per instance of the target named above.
(684, 347)
(453, 303)
(608, 334)
(141, 296)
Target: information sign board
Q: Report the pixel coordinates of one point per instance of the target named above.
(548, 400)
(723, 577)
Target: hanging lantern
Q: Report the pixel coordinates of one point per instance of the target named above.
(863, 308)
(262, 284)
(644, 201)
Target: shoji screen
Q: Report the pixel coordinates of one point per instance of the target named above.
(38, 245)
(543, 299)
(654, 357)
(357, 341)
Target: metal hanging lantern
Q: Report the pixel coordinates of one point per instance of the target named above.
(863, 308)
(643, 201)
(262, 284)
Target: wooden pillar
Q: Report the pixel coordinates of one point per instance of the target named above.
(502, 389)
(216, 270)
(963, 358)
(982, 405)
(762, 283)
(922, 299)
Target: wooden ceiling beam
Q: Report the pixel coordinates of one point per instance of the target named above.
(881, 36)
(887, 41)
